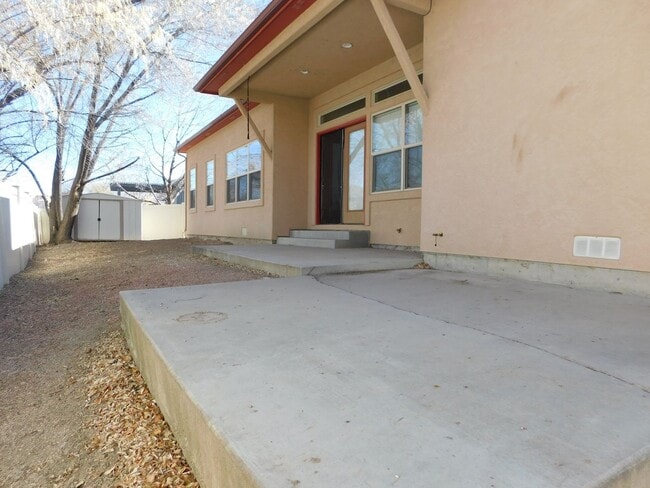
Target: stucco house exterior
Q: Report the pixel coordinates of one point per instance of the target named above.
(491, 135)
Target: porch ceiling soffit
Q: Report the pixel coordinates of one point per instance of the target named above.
(286, 37)
(396, 42)
(318, 50)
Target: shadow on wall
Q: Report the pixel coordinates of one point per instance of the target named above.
(23, 226)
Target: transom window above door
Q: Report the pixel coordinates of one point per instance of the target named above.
(244, 173)
(397, 148)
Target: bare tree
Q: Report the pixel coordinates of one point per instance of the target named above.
(86, 71)
(163, 164)
(22, 64)
(23, 58)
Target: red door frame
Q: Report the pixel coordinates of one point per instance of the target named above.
(318, 162)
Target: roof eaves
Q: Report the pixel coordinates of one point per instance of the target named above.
(266, 27)
(217, 124)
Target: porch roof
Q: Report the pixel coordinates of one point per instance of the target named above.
(296, 47)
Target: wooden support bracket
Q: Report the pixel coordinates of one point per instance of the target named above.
(401, 53)
(244, 111)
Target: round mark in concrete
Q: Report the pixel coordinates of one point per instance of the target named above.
(202, 317)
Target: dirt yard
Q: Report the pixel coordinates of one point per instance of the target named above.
(74, 411)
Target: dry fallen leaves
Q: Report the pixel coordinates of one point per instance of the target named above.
(127, 420)
(51, 316)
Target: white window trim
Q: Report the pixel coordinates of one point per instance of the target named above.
(403, 148)
(248, 173)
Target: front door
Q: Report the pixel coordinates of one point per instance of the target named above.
(331, 177)
(342, 175)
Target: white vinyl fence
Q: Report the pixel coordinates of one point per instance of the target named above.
(23, 226)
(163, 222)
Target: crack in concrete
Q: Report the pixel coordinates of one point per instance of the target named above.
(319, 279)
(180, 300)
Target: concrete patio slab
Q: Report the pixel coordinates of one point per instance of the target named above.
(607, 332)
(411, 378)
(298, 261)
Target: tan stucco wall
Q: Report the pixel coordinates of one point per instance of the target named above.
(538, 129)
(290, 167)
(393, 218)
(283, 122)
(253, 218)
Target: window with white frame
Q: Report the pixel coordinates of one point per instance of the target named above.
(193, 188)
(209, 183)
(244, 173)
(397, 148)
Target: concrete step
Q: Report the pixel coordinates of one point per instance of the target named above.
(328, 234)
(301, 241)
(297, 261)
(320, 243)
(330, 239)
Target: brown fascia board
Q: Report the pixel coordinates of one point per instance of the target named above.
(266, 27)
(217, 124)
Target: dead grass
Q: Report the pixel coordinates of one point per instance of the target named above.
(74, 410)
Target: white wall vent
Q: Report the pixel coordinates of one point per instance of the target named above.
(597, 247)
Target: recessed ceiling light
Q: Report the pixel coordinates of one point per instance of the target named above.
(304, 71)
(347, 45)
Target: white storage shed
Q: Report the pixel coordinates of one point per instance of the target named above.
(104, 217)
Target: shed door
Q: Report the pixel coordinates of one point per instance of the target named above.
(110, 223)
(87, 225)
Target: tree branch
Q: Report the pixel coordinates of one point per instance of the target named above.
(85, 182)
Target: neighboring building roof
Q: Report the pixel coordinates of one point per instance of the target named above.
(102, 196)
(271, 22)
(138, 187)
(220, 122)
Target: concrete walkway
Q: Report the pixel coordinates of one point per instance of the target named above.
(298, 261)
(412, 378)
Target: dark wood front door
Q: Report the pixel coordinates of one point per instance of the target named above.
(331, 177)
